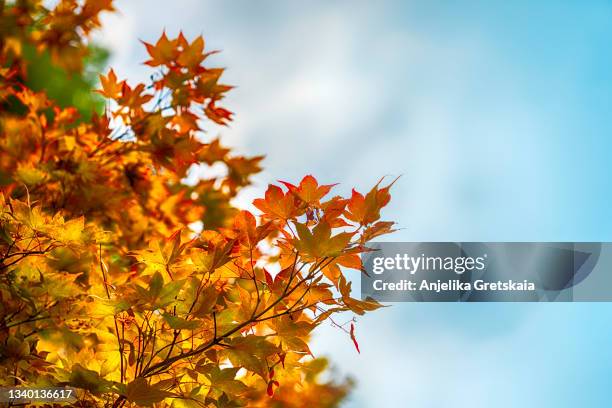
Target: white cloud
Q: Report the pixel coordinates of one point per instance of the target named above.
(344, 91)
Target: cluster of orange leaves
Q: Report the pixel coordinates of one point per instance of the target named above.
(121, 279)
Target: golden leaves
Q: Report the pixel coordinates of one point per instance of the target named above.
(251, 352)
(102, 260)
(162, 255)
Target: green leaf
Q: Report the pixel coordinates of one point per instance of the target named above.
(80, 377)
(170, 292)
(156, 285)
(250, 351)
(4, 236)
(180, 323)
(224, 380)
(296, 344)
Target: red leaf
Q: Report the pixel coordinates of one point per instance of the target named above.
(217, 114)
(271, 385)
(281, 358)
(269, 279)
(353, 338)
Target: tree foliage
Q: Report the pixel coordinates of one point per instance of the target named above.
(106, 283)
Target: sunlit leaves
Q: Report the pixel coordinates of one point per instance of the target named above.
(127, 273)
(162, 255)
(223, 380)
(252, 353)
(205, 302)
(159, 293)
(187, 78)
(180, 323)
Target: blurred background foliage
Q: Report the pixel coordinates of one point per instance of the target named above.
(67, 88)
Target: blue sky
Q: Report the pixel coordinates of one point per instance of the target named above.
(497, 116)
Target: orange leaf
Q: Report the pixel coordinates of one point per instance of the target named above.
(110, 87)
(192, 54)
(163, 52)
(309, 190)
(366, 210)
(217, 114)
(277, 204)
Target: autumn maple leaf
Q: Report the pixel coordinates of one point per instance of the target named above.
(111, 88)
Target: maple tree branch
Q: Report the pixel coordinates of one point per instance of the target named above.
(293, 271)
(119, 401)
(22, 255)
(8, 250)
(140, 336)
(173, 343)
(198, 292)
(289, 311)
(26, 253)
(28, 320)
(162, 365)
(15, 313)
(121, 348)
(108, 140)
(105, 283)
(158, 352)
(36, 316)
(254, 280)
(153, 352)
(215, 325)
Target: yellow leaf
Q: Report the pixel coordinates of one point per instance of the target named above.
(141, 393)
(30, 175)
